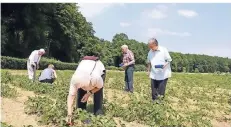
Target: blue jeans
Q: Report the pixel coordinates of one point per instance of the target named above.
(129, 78)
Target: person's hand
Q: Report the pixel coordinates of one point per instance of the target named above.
(33, 65)
(125, 65)
(165, 66)
(69, 120)
(85, 97)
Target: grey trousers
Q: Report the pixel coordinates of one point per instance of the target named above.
(158, 87)
(129, 78)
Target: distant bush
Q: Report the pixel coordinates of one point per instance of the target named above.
(21, 64)
(140, 68)
(17, 63)
(114, 68)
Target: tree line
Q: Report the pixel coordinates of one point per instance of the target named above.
(67, 36)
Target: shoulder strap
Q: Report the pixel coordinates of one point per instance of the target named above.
(93, 67)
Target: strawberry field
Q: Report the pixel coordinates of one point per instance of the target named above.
(197, 100)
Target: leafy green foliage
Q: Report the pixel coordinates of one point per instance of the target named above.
(16, 63)
(191, 100)
(67, 36)
(6, 77)
(8, 92)
(5, 125)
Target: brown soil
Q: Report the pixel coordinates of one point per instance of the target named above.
(13, 110)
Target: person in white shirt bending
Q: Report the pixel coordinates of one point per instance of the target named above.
(48, 75)
(33, 62)
(88, 79)
(159, 69)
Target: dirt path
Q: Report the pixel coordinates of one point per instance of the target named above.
(13, 110)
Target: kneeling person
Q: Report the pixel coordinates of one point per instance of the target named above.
(88, 79)
(48, 75)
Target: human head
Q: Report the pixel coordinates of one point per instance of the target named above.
(41, 52)
(153, 44)
(124, 48)
(51, 66)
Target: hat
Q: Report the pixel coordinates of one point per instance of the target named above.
(42, 50)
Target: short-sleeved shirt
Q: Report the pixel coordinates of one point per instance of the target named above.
(34, 57)
(159, 57)
(128, 56)
(83, 78)
(47, 73)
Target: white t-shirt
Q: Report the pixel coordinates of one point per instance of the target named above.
(159, 57)
(34, 57)
(47, 73)
(83, 79)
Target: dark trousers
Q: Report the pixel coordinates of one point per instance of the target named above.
(98, 99)
(129, 78)
(47, 81)
(158, 87)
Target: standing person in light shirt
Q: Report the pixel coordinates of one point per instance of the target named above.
(88, 79)
(33, 63)
(128, 65)
(159, 69)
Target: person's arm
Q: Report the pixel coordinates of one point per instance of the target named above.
(70, 99)
(132, 58)
(104, 75)
(167, 58)
(88, 94)
(55, 75)
(31, 57)
(95, 90)
(148, 65)
(39, 57)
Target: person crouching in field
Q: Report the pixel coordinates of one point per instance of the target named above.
(33, 63)
(48, 75)
(88, 79)
(159, 69)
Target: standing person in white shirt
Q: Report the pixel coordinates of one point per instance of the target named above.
(48, 75)
(159, 69)
(33, 62)
(88, 79)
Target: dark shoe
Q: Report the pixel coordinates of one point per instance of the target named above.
(99, 112)
(126, 90)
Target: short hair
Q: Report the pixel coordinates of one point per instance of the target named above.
(153, 40)
(124, 46)
(96, 54)
(51, 66)
(42, 50)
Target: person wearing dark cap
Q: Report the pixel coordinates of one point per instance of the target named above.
(87, 80)
(159, 69)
